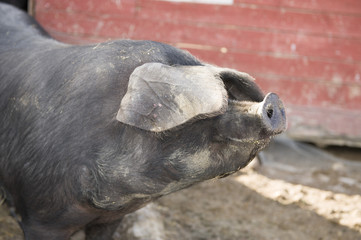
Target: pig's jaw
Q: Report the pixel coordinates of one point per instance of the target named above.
(250, 140)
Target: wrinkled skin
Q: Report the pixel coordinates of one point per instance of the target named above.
(66, 163)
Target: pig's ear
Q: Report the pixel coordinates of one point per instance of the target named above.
(240, 86)
(161, 97)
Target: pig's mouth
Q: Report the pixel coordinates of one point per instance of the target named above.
(250, 140)
(256, 144)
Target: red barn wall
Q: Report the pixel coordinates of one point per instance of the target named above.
(309, 51)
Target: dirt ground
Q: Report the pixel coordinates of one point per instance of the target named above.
(297, 192)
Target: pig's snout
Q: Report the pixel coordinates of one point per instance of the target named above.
(272, 113)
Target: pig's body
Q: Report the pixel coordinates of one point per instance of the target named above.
(68, 163)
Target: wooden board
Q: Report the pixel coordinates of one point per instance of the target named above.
(309, 51)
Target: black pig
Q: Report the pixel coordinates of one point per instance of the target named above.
(91, 133)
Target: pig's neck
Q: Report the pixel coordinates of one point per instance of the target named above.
(143, 168)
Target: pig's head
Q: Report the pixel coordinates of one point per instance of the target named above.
(211, 121)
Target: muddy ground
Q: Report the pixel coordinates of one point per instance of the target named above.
(298, 192)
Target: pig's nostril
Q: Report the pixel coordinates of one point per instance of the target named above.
(269, 113)
(272, 113)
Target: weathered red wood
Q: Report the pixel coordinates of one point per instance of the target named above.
(301, 69)
(90, 7)
(286, 44)
(296, 90)
(250, 17)
(324, 125)
(330, 95)
(95, 6)
(76, 39)
(242, 16)
(326, 6)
